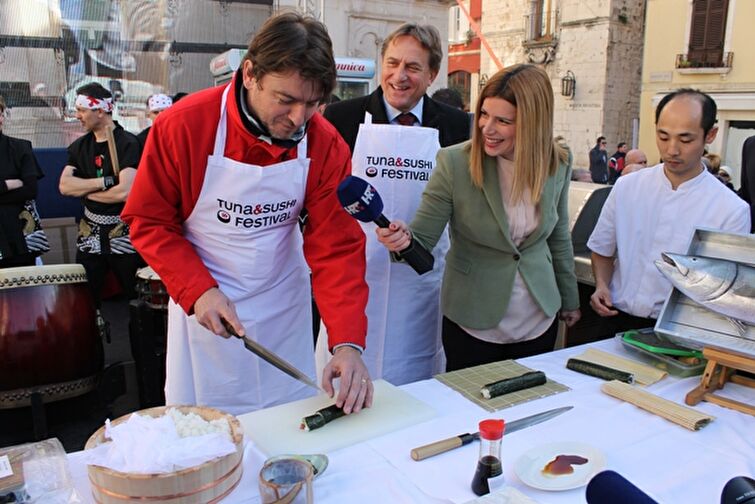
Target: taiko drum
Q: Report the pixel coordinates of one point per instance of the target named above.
(48, 331)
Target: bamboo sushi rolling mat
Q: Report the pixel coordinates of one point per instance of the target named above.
(682, 415)
(643, 374)
(469, 381)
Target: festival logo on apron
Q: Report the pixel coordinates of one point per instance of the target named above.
(395, 167)
(256, 215)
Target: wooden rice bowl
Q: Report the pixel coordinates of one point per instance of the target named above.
(208, 482)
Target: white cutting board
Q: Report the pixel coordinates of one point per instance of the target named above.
(276, 431)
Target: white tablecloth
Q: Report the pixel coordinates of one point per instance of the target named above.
(667, 461)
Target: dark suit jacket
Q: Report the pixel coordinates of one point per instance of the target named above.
(17, 161)
(452, 124)
(747, 190)
(598, 165)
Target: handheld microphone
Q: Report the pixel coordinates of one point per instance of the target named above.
(609, 486)
(362, 201)
(739, 490)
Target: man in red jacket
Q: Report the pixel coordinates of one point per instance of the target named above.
(214, 211)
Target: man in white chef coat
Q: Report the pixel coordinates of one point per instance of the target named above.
(656, 210)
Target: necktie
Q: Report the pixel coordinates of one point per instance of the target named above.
(406, 119)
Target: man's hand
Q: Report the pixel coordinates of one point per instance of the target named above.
(212, 308)
(355, 391)
(570, 317)
(601, 302)
(395, 237)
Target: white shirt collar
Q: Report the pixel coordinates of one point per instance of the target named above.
(687, 184)
(392, 112)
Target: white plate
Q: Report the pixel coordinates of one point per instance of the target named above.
(529, 466)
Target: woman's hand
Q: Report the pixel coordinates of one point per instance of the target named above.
(570, 317)
(395, 237)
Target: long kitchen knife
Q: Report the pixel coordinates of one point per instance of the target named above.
(438, 447)
(271, 357)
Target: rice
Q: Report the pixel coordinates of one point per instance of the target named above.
(191, 424)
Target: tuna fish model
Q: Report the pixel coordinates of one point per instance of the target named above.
(725, 287)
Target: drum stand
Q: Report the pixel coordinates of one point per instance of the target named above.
(108, 384)
(147, 334)
(722, 367)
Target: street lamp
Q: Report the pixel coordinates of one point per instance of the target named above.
(483, 80)
(568, 84)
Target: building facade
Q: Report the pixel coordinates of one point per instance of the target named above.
(359, 27)
(591, 49)
(707, 45)
(134, 48)
(464, 45)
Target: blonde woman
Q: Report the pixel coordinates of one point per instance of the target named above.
(510, 269)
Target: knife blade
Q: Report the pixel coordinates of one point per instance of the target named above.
(270, 357)
(438, 447)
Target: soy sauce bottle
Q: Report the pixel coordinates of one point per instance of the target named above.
(489, 473)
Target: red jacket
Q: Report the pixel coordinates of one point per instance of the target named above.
(170, 178)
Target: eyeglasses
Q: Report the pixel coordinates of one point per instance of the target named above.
(602, 143)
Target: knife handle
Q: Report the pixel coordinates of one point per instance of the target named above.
(436, 448)
(229, 328)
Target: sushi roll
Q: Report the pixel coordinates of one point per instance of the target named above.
(321, 417)
(508, 385)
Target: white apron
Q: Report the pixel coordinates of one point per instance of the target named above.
(403, 310)
(244, 227)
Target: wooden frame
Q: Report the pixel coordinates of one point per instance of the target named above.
(722, 367)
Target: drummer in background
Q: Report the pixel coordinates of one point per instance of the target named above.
(19, 172)
(214, 211)
(103, 242)
(400, 122)
(155, 104)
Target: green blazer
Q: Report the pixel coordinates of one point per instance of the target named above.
(482, 261)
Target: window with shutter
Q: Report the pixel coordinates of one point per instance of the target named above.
(706, 41)
(540, 21)
(461, 81)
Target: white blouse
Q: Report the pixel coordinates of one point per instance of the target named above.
(524, 319)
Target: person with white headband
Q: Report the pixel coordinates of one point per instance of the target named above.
(155, 104)
(103, 243)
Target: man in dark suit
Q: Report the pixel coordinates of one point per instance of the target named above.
(19, 172)
(747, 189)
(394, 135)
(599, 161)
(403, 85)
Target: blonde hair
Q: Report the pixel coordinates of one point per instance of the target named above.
(537, 154)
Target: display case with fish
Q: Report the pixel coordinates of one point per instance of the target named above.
(713, 300)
